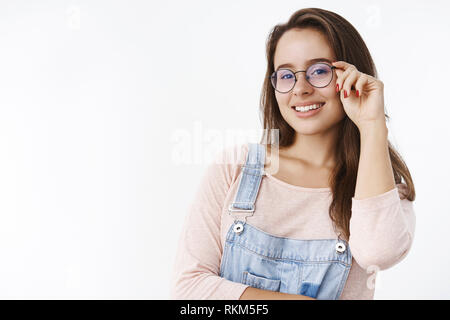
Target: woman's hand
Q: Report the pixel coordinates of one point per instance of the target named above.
(365, 105)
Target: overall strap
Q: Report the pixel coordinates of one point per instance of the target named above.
(252, 173)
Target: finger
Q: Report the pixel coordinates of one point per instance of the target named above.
(362, 80)
(339, 70)
(349, 81)
(338, 77)
(341, 76)
(341, 64)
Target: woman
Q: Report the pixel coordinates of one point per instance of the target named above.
(316, 215)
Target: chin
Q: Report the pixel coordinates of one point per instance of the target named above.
(308, 131)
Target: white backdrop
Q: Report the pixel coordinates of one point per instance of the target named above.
(98, 100)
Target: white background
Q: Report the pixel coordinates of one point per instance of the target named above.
(98, 100)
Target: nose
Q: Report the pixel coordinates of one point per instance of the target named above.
(302, 85)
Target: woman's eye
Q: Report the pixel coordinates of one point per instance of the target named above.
(286, 76)
(319, 71)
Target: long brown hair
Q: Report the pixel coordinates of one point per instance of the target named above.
(348, 46)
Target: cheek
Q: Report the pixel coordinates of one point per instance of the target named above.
(333, 99)
(330, 92)
(282, 99)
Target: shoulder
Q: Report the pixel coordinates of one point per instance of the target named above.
(226, 164)
(234, 155)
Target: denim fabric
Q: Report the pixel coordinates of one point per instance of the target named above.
(251, 256)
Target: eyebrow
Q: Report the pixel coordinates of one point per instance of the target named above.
(307, 62)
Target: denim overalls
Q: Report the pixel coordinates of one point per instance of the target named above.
(315, 268)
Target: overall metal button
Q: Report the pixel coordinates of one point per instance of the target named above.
(340, 247)
(238, 228)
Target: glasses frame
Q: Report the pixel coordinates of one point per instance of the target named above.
(295, 76)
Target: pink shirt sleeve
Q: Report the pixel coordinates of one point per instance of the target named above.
(197, 263)
(382, 228)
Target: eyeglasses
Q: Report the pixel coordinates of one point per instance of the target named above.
(318, 75)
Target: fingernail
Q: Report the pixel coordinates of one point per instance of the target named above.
(337, 87)
(357, 93)
(345, 93)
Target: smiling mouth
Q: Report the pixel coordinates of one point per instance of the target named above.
(320, 106)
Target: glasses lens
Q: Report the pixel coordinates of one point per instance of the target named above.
(319, 75)
(283, 80)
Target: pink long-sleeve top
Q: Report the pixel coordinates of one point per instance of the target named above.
(381, 227)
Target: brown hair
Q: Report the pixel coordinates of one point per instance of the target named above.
(348, 46)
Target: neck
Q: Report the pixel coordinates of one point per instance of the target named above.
(315, 151)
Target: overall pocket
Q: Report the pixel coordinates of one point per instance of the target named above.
(260, 282)
(324, 280)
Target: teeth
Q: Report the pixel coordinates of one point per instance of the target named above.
(307, 108)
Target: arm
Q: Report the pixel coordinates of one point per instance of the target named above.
(382, 223)
(375, 174)
(197, 263)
